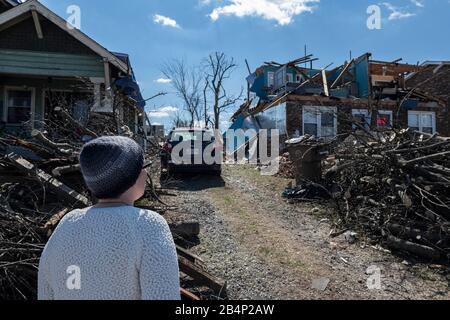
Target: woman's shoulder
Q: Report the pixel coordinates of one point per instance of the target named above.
(150, 220)
(150, 216)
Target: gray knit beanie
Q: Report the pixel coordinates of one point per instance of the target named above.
(111, 165)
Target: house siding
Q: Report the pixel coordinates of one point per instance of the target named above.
(22, 36)
(50, 64)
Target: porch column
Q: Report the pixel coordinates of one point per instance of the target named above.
(109, 96)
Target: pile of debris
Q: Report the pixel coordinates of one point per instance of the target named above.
(395, 187)
(40, 182)
(286, 167)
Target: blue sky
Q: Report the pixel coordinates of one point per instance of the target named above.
(154, 31)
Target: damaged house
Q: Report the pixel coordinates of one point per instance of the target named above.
(46, 63)
(362, 93)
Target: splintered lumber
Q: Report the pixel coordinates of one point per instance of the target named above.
(51, 224)
(202, 277)
(186, 295)
(75, 123)
(344, 71)
(59, 171)
(190, 256)
(412, 248)
(394, 186)
(63, 148)
(61, 189)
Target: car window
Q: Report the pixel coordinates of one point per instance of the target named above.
(191, 136)
(186, 136)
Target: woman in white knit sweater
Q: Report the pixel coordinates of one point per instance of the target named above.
(111, 251)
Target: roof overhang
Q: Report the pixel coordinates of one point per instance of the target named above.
(437, 64)
(35, 6)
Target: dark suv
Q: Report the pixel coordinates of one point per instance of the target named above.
(191, 150)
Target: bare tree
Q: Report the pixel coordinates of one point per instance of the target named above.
(219, 68)
(178, 121)
(187, 83)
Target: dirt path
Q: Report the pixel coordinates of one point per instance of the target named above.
(269, 249)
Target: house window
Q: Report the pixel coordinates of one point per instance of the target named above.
(298, 78)
(19, 105)
(289, 78)
(77, 103)
(361, 117)
(385, 119)
(270, 79)
(320, 121)
(422, 121)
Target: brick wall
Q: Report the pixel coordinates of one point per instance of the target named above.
(438, 85)
(294, 113)
(22, 36)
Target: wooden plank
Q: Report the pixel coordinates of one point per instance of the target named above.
(37, 24)
(61, 189)
(325, 83)
(342, 73)
(202, 277)
(26, 55)
(190, 256)
(188, 295)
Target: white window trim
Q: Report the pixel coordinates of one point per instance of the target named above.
(289, 78)
(420, 113)
(386, 112)
(270, 73)
(5, 103)
(318, 110)
(364, 112)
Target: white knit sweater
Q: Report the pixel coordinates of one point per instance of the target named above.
(119, 253)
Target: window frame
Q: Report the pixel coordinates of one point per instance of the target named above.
(289, 77)
(420, 114)
(6, 104)
(367, 114)
(269, 74)
(389, 113)
(319, 110)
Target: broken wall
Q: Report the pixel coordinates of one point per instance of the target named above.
(295, 104)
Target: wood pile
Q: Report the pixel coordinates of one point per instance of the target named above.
(40, 182)
(395, 187)
(286, 167)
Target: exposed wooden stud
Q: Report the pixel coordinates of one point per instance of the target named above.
(37, 23)
(188, 295)
(325, 83)
(202, 277)
(61, 189)
(344, 71)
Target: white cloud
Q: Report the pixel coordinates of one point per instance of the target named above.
(418, 3)
(165, 21)
(169, 109)
(282, 11)
(163, 80)
(397, 13)
(164, 112)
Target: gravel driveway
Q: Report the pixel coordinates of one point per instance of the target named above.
(267, 248)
